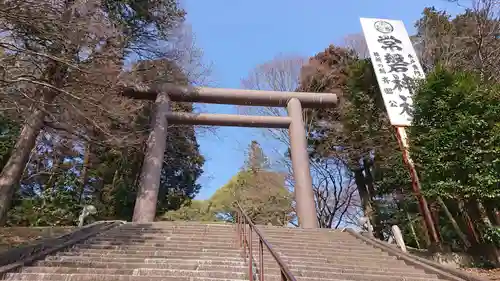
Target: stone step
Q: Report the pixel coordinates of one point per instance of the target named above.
(353, 274)
(173, 239)
(352, 250)
(219, 253)
(400, 268)
(329, 255)
(235, 256)
(84, 259)
(340, 272)
(218, 243)
(197, 265)
(188, 265)
(298, 229)
(314, 248)
(317, 244)
(357, 277)
(336, 261)
(159, 251)
(160, 244)
(167, 236)
(179, 226)
(325, 254)
(167, 247)
(333, 256)
(189, 255)
(300, 232)
(155, 260)
(309, 240)
(102, 277)
(307, 233)
(221, 231)
(337, 251)
(184, 224)
(309, 236)
(137, 272)
(132, 258)
(169, 233)
(103, 274)
(181, 231)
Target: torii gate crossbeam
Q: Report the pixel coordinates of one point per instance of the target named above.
(145, 205)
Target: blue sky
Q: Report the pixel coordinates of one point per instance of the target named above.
(237, 35)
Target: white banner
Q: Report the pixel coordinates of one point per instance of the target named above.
(396, 66)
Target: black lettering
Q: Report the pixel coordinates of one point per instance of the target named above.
(406, 107)
(388, 91)
(396, 62)
(398, 83)
(390, 43)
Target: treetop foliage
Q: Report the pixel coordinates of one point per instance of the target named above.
(456, 135)
(261, 193)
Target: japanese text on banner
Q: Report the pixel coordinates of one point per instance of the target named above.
(396, 66)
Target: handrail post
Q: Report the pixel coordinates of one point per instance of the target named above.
(283, 276)
(238, 233)
(247, 241)
(261, 260)
(250, 254)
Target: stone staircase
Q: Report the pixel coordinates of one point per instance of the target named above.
(192, 251)
(315, 255)
(159, 251)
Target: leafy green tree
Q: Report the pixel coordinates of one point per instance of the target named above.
(90, 172)
(455, 139)
(357, 131)
(69, 83)
(263, 196)
(195, 210)
(260, 192)
(456, 134)
(256, 159)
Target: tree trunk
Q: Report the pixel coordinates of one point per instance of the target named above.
(368, 177)
(425, 232)
(13, 169)
(85, 169)
(412, 229)
(495, 253)
(435, 218)
(366, 201)
(465, 210)
(58, 160)
(454, 223)
(496, 214)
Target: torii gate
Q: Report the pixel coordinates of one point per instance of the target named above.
(145, 205)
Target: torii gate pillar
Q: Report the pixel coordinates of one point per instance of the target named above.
(304, 197)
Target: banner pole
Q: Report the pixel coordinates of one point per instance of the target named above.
(422, 202)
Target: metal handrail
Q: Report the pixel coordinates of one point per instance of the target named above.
(245, 242)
